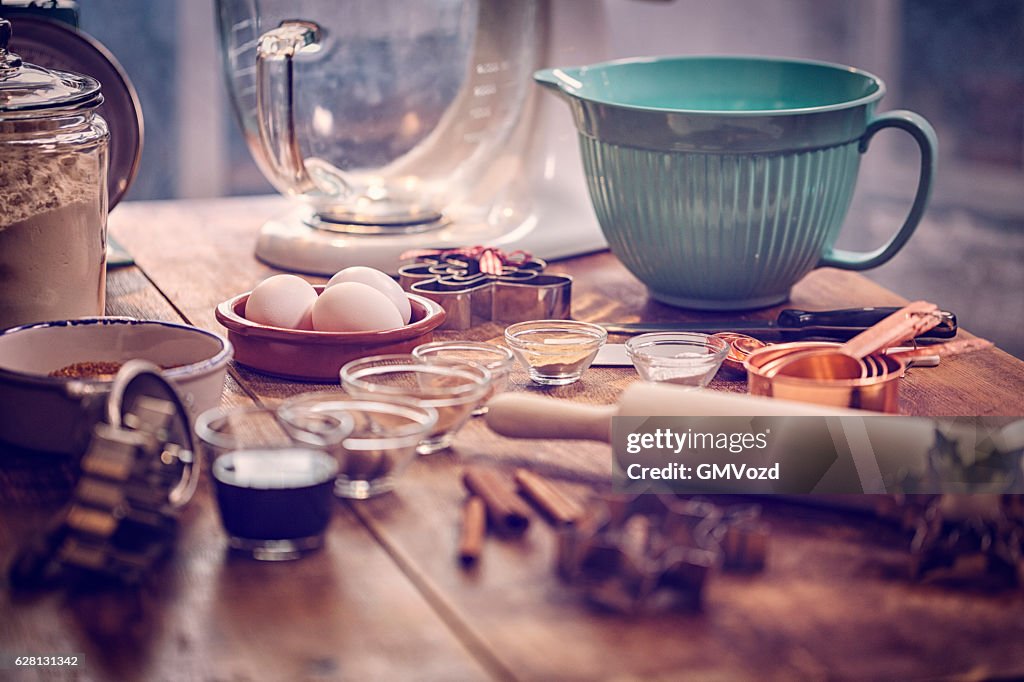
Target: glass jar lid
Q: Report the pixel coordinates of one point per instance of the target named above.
(26, 88)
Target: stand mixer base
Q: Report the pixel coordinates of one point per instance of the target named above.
(435, 222)
(557, 224)
(291, 243)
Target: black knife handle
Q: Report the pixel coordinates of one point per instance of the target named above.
(851, 321)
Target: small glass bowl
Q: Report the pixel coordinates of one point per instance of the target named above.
(555, 352)
(273, 478)
(688, 359)
(497, 359)
(381, 444)
(453, 388)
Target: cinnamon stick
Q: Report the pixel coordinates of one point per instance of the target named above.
(471, 536)
(507, 514)
(562, 510)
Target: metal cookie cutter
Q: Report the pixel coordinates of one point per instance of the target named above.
(481, 285)
(954, 541)
(647, 552)
(140, 469)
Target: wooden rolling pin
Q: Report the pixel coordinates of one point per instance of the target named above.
(519, 415)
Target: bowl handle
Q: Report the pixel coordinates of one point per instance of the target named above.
(275, 110)
(924, 134)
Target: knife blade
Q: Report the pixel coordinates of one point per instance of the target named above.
(615, 355)
(790, 323)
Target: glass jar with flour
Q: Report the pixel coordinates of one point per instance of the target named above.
(53, 192)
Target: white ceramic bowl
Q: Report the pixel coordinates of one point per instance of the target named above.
(54, 414)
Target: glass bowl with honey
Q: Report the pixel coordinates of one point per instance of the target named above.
(555, 352)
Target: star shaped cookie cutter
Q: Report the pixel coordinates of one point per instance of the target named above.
(477, 285)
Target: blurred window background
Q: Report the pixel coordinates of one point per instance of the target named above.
(960, 64)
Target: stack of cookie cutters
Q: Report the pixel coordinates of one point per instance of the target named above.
(475, 286)
(646, 552)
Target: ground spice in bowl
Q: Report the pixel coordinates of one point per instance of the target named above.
(103, 370)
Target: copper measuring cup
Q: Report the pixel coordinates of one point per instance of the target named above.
(815, 381)
(741, 346)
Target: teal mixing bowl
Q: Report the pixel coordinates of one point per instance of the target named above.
(721, 181)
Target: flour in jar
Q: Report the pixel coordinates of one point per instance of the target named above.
(52, 234)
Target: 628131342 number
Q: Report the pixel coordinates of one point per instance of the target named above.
(45, 661)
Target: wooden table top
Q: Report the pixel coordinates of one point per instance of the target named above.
(386, 599)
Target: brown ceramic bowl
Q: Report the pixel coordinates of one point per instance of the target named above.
(318, 356)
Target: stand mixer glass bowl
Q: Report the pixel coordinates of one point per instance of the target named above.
(377, 114)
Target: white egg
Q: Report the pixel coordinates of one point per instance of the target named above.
(354, 307)
(282, 301)
(379, 281)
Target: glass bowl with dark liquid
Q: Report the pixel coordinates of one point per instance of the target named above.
(274, 480)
